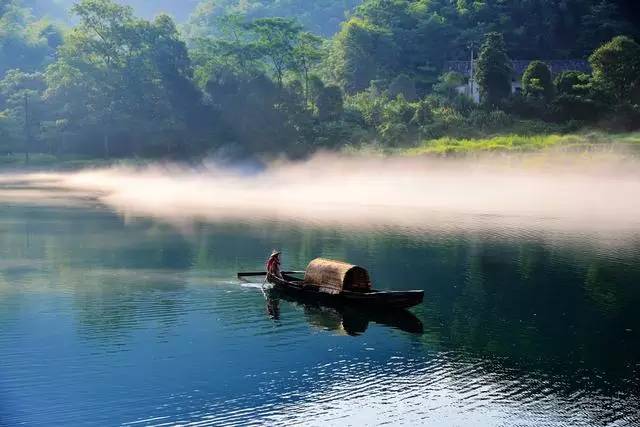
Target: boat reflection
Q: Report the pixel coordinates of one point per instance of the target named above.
(342, 318)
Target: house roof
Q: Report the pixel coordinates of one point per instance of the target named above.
(520, 65)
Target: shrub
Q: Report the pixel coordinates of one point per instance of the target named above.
(491, 121)
(396, 119)
(331, 134)
(448, 84)
(446, 121)
(537, 81)
(573, 107)
(369, 104)
(527, 107)
(573, 83)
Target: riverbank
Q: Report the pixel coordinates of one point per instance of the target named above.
(39, 161)
(571, 143)
(513, 143)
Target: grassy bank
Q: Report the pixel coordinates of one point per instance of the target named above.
(514, 143)
(628, 143)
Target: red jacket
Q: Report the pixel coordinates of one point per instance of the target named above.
(273, 265)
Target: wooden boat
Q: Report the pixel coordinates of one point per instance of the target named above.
(337, 282)
(349, 318)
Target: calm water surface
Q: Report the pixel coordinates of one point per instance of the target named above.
(106, 320)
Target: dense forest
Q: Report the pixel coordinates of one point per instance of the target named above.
(292, 76)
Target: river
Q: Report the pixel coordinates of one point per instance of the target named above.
(108, 318)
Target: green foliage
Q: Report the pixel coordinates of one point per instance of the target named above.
(568, 107)
(494, 70)
(25, 42)
(616, 69)
(368, 105)
(18, 91)
(448, 83)
(512, 143)
(403, 85)
(419, 36)
(574, 83)
(397, 123)
(275, 39)
(360, 53)
(523, 142)
(602, 22)
(537, 81)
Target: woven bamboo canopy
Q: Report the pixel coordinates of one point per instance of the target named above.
(335, 276)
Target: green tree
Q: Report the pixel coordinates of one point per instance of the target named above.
(22, 109)
(25, 43)
(233, 50)
(277, 38)
(117, 75)
(616, 68)
(307, 54)
(537, 81)
(360, 52)
(494, 70)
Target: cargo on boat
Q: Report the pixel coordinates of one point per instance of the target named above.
(336, 282)
(333, 277)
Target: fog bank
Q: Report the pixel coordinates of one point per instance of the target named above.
(598, 192)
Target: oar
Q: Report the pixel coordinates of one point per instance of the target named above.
(264, 273)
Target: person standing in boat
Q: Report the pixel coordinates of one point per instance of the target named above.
(273, 264)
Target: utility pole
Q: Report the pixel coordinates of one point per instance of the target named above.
(27, 128)
(472, 75)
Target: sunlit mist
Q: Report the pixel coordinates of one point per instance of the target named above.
(592, 193)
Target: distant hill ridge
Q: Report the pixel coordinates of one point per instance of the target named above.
(320, 16)
(179, 9)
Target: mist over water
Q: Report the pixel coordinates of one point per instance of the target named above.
(594, 193)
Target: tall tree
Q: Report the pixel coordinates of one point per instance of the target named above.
(119, 75)
(616, 68)
(306, 54)
(276, 38)
(22, 108)
(360, 52)
(494, 70)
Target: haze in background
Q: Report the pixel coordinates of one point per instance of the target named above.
(180, 9)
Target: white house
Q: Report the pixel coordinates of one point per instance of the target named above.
(472, 90)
